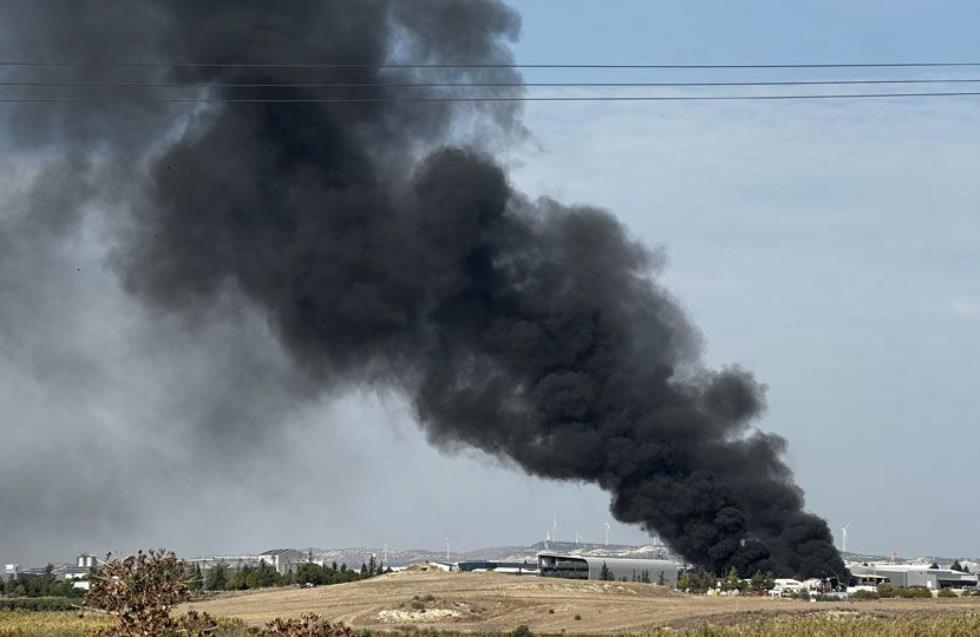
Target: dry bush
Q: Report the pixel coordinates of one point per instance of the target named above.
(140, 592)
(310, 625)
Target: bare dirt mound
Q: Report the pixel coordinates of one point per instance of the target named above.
(491, 602)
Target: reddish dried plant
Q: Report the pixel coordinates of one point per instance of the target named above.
(140, 592)
(310, 625)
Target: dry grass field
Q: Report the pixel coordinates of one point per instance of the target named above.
(491, 603)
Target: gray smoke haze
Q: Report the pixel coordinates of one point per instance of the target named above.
(377, 254)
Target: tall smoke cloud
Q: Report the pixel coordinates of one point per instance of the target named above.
(381, 254)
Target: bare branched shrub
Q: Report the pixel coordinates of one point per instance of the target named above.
(310, 625)
(140, 591)
(195, 624)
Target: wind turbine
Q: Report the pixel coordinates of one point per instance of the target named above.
(554, 525)
(606, 524)
(843, 535)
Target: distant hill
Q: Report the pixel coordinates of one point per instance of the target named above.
(353, 557)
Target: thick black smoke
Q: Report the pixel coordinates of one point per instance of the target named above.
(531, 330)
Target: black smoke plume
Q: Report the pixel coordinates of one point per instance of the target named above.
(382, 254)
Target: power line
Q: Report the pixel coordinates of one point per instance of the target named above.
(57, 84)
(605, 98)
(304, 65)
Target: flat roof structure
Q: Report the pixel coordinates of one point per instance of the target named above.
(619, 568)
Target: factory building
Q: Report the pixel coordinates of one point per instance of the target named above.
(912, 575)
(588, 567)
(480, 566)
(237, 562)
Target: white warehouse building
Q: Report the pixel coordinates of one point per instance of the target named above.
(589, 567)
(912, 575)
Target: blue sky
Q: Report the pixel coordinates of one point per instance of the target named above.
(833, 248)
(746, 31)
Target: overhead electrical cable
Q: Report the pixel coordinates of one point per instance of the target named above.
(387, 65)
(57, 84)
(593, 98)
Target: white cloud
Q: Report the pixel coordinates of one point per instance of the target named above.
(967, 305)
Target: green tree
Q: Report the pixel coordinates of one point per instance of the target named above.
(661, 579)
(758, 581)
(769, 581)
(266, 575)
(700, 581)
(372, 566)
(310, 573)
(41, 585)
(956, 566)
(683, 581)
(197, 582)
(730, 583)
(605, 574)
(243, 579)
(217, 579)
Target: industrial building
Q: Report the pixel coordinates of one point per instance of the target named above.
(238, 562)
(912, 575)
(588, 567)
(513, 568)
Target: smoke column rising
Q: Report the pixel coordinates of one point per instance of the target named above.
(381, 255)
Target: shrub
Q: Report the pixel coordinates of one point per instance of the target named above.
(309, 626)
(865, 595)
(139, 592)
(522, 631)
(947, 592)
(915, 592)
(38, 604)
(578, 617)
